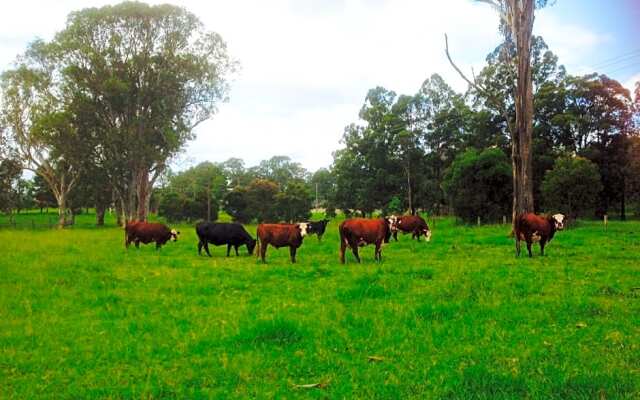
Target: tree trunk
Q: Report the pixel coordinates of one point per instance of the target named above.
(522, 25)
(142, 193)
(61, 198)
(100, 210)
(119, 212)
(409, 193)
(623, 200)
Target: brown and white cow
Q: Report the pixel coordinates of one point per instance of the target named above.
(280, 235)
(414, 224)
(535, 228)
(358, 232)
(147, 232)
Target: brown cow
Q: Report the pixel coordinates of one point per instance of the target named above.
(413, 224)
(147, 232)
(280, 235)
(358, 232)
(533, 228)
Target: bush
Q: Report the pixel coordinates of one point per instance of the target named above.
(572, 186)
(294, 203)
(479, 184)
(395, 206)
(236, 204)
(175, 206)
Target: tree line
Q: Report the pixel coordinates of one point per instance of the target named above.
(443, 151)
(99, 112)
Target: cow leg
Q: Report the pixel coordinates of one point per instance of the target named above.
(235, 246)
(395, 235)
(378, 252)
(319, 238)
(542, 243)
(343, 247)
(127, 242)
(200, 248)
(417, 235)
(206, 248)
(137, 242)
(292, 252)
(228, 248)
(158, 245)
(517, 247)
(354, 249)
(263, 251)
(529, 248)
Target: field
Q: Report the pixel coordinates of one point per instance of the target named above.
(457, 318)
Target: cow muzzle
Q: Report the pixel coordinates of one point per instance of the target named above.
(174, 235)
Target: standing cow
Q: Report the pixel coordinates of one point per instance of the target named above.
(534, 228)
(358, 232)
(318, 228)
(147, 232)
(219, 233)
(413, 224)
(281, 235)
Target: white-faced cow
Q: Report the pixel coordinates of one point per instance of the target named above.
(535, 228)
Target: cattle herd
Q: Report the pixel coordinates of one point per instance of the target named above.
(354, 233)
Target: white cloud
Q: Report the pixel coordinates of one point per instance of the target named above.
(307, 64)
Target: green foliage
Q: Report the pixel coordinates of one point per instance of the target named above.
(194, 194)
(294, 203)
(572, 186)
(262, 200)
(395, 206)
(236, 204)
(10, 171)
(479, 185)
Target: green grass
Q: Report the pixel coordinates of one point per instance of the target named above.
(457, 318)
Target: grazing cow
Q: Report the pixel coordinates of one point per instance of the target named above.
(318, 228)
(534, 228)
(413, 224)
(147, 232)
(358, 232)
(281, 235)
(223, 233)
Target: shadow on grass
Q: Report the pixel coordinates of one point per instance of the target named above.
(278, 331)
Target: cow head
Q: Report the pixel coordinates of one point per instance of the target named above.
(304, 228)
(558, 220)
(427, 233)
(251, 245)
(392, 221)
(174, 235)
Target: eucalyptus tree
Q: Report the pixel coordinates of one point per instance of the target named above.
(42, 132)
(148, 75)
(516, 25)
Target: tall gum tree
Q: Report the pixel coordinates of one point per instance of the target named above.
(149, 75)
(43, 136)
(516, 24)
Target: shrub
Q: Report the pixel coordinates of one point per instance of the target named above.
(572, 186)
(479, 184)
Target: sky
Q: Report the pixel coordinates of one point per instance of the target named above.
(306, 65)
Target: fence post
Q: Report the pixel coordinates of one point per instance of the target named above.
(478, 220)
(605, 222)
(504, 220)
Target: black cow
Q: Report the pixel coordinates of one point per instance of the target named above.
(317, 227)
(219, 233)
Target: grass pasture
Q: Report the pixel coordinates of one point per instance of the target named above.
(457, 318)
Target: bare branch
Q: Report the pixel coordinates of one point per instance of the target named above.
(474, 84)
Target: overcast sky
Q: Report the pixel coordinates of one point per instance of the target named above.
(306, 65)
